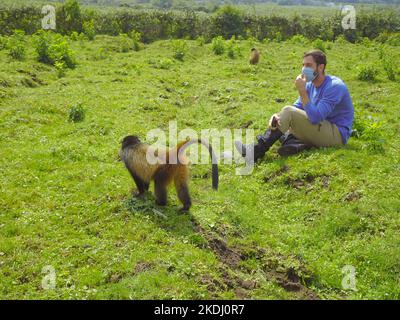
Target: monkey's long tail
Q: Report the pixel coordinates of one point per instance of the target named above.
(214, 161)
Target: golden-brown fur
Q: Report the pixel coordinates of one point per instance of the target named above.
(254, 56)
(172, 167)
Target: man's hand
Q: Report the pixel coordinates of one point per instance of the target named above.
(301, 83)
(301, 87)
(274, 122)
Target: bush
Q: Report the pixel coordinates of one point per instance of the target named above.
(136, 38)
(77, 113)
(319, 44)
(373, 137)
(341, 39)
(74, 36)
(69, 17)
(180, 48)
(218, 45)
(251, 41)
(59, 51)
(52, 48)
(392, 39)
(16, 45)
(101, 54)
(367, 73)
(60, 67)
(381, 51)
(125, 43)
(233, 49)
(366, 42)
(200, 41)
(277, 36)
(228, 22)
(88, 30)
(369, 131)
(388, 66)
(3, 42)
(299, 39)
(165, 64)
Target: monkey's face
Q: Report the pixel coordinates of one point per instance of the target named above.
(130, 141)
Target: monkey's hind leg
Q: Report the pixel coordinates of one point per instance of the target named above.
(160, 188)
(182, 190)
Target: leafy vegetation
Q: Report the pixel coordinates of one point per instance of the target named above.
(179, 48)
(218, 45)
(226, 21)
(16, 45)
(367, 73)
(77, 113)
(53, 48)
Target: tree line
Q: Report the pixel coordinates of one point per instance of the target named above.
(227, 21)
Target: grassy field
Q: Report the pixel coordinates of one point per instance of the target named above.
(284, 232)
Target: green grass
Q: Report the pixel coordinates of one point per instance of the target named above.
(66, 199)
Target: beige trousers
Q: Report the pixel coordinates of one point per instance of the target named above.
(323, 134)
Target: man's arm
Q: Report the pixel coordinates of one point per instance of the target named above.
(298, 104)
(319, 112)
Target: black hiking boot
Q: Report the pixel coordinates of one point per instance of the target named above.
(291, 145)
(264, 142)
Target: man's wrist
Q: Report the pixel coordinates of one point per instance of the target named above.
(303, 92)
(304, 97)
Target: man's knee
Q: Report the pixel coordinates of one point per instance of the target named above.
(288, 109)
(293, 113)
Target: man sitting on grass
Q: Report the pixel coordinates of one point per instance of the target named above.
(322, 116)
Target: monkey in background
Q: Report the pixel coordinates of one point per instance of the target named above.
(173, 168)
(254, 56)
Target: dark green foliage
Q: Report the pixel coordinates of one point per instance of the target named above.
(218, 45)
(389, 67)
(16, 45)
(69, 17)
(389, 38)
(135, 36)
(232, 48)
(52, 48)
(88, 29)
(179, 48)
(369, 130)
(319, 44)
(77, 113)
(226, 21)
(367, 73)
(229, 22)
(3, 42)
(125, 43)
(26, 18)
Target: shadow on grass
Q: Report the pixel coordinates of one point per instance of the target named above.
(166, 217)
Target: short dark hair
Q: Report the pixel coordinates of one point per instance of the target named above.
(318, 56)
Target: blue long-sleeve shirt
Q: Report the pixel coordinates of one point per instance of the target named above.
(332, 102)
